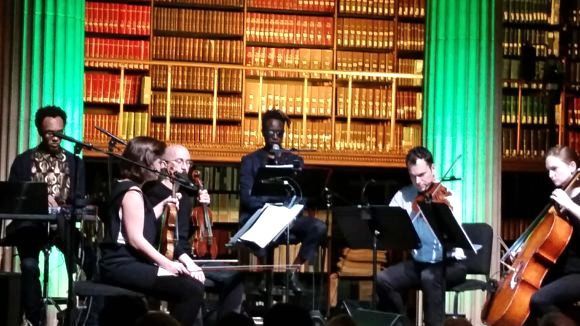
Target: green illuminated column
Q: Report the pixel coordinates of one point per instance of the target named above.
(52, 64)
(52, 74)
(462, 115)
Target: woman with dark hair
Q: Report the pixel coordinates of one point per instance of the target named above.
(130, 258)
(562, 284)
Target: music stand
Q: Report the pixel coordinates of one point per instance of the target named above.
(376, 227)
(274, 182)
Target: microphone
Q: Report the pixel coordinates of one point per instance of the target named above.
(72, 140)
(277, 152)
(115, 138)
(363, 197)
(183, 178)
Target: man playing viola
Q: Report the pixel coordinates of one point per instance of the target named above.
(178, 162)
(425, 270)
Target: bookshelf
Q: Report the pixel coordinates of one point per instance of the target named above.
(531, 36)
(116, 95)
(215, 66)
(571, 87)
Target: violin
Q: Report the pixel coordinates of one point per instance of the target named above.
(436, 193)
(204, 243)
(170, 228)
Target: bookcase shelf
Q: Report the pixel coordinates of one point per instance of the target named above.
(291, 12)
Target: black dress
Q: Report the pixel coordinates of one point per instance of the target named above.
(124, 266)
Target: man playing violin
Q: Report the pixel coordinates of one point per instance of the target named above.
(177, 162)
(425, 270)
(562, 284)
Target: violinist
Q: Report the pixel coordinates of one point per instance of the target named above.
(425, 270)
(562, 284)
(228, 283)
(129, 256)
(308, 230)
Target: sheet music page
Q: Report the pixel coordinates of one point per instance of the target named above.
(272, 221)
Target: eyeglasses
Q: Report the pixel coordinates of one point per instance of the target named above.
(50, 133)
(181, 161)
(272, 133)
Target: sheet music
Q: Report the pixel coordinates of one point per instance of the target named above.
(272, 221)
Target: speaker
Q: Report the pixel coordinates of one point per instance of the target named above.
(368, 317)
(9, 299)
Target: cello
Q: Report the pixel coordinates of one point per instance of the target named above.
(204, 243)
(532, 255)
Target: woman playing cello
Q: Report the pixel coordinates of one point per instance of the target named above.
(562, 284)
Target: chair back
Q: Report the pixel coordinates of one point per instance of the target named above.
(480, 234)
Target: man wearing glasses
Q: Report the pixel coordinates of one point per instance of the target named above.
(49, 163)
(307, 230)
(226, 283)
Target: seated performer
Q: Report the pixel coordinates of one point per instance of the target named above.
(561, 287)
(129, 257)
(425, 269)
(228, 283)
(50, 163)
(306, 229)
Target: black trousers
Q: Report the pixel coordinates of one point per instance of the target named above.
(35, 239)
(229, 287)
(558, 291)
(396, 280)
(183, 294)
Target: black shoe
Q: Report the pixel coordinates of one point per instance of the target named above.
(294, 283)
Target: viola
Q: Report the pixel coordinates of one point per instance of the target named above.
(204, 243)
(169, 229)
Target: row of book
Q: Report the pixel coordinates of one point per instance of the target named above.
(573, 111)
(289, 29)
(534, 109)
(574, 15)
(545, 42)
(374, 7)
(512, 70)
(410, 66)
(196, 79)
(410, 37)
(512, 228)
(228, 3)
(366, 102)
(219, 178)
(107, 48)
(534, 142)
(359, 262)
(303, 58)
(375, 137)
(197, 134)
(196, 106)
(197, 49)
(100, 87)
(532, 11)
(225, 208)
(365, 61)
(288, 97)
(574, 140)
(573, 39)
(302, 5)
(573, 72)
(117, 18)
(134, 124)
(365, 33)
(198, 21)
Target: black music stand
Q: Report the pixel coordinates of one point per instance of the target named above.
(275, 183)
(376, 227)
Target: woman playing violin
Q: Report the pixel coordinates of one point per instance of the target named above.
(425, 269)
(129, 257)
(562, 284)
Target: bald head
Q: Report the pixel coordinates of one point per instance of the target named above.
(177, 157)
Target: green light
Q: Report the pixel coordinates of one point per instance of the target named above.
(52, 74)
(52, 65)
(461, 116)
